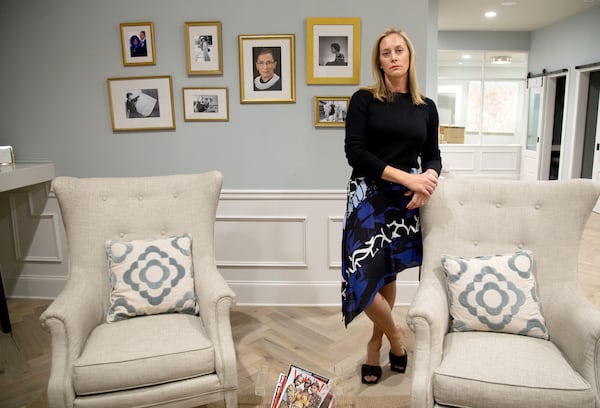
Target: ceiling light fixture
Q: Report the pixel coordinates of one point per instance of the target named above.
(490, 14)
(501, 60)
(466, 56)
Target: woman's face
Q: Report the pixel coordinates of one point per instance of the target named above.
(265, 65)
(394, 56)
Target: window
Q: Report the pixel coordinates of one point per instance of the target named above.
(484, 93)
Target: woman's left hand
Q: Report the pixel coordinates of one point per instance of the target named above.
(418, 200)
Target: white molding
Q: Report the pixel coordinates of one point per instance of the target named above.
(265, 263)
(33, 215)
(334, 262)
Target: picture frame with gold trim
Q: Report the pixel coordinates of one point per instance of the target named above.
(137, 44)
(330, 111)
(205, 104)
(267, 68)
(332, 50)
(203, 45)
(141, 103)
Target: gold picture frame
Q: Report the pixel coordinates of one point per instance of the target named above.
(205, 104)
(203, 47)
(332, 50)
(141, 103)
(330, 111)
(276, 53)
(137, 44)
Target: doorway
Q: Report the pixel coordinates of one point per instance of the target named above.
(590, 158)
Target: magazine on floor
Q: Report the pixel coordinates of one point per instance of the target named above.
(300, 388)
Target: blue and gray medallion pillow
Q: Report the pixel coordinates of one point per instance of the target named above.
(150, 277)
(494, 293)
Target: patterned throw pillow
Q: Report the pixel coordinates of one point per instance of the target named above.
(150, 277)
(494, 293)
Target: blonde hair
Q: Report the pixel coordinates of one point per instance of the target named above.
(379, 90)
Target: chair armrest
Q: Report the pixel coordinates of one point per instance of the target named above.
(70, 318)
(574, 327)
(428, 318)
(215, 299)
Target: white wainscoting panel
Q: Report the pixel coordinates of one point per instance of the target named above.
(483, 161)
(261, 241)
(35, 233)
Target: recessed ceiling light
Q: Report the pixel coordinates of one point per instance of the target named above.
(501, 60)
(490, 14)
(466, 56)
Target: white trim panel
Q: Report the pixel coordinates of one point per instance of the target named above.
(261, 241)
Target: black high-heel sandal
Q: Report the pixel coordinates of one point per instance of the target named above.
(370, 371)
(398, 363)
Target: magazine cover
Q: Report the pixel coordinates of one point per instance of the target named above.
(277, 392)
(303, 389)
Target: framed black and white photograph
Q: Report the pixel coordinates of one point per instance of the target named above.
(332, 50)
(141, 103)
(137, 44)
(330, 111)
(267, 68)
(203, 48)
(205, 104)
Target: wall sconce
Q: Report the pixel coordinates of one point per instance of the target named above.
(501, 60)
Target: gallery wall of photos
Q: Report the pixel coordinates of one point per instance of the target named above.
(267, 74)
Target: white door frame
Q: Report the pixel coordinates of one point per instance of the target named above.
(547, 124)
(582, 84)
(530, 163)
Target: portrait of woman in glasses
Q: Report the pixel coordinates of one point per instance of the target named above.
(266, 66)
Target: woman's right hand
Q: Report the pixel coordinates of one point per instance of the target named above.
(423, 183)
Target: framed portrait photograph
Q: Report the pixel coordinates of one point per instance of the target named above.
(137, 44)
(332, 50)
(141, 103)
(330, 111)
(205, 104)
(267, 68)
(204, 52)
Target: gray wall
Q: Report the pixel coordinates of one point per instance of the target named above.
(565, 45)
(57, 55)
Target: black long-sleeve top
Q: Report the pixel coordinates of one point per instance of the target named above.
(396, 134)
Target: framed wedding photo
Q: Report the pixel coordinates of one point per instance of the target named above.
(330, 111)
(137, 44)
(141, 103)
(267, 68)
(205, 104)
(204, 52)
(332, 50)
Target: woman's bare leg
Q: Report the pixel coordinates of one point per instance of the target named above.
(380, 313)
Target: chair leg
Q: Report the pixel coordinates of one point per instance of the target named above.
(231, 399)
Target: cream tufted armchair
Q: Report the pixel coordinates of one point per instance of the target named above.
(467, 218)
(161, 360)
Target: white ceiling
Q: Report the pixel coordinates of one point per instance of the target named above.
(515, 15)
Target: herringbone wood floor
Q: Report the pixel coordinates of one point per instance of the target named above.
(268, 339)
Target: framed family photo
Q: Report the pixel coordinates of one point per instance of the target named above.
(141, 103)
(330, 111)
(204, 52)
(332, 50)
(267, 68)
(137, 44)
(205, 104)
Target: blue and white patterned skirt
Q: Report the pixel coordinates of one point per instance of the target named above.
(380, 238)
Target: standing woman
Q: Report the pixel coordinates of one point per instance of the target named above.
(392, 146)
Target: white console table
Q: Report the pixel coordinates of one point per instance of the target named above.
(12, 177)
